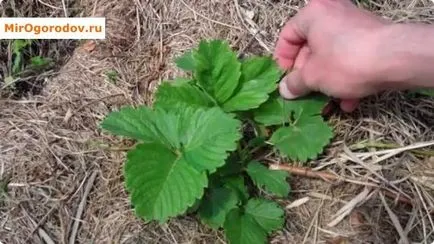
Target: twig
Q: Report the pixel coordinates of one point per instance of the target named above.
(65, 10)
(314, 220)
(42, 233)
(253, 32)
(409, 224)
(81, 207)
(347, 208)
(308, 172)
(48, 5)
(425, 207)
(40, 223)
(214, 21)
(393, 152)
(362, 145)
(363, 164)
(304, 171)
(395, 221)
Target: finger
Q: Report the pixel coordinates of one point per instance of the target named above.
(349, 105)
(302, 57)
(291, 40)
(292, 86)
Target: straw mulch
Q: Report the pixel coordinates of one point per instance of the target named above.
(63, 176)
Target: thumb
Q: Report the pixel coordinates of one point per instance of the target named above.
(292, 86)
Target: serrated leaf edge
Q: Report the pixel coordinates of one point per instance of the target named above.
(317, 152)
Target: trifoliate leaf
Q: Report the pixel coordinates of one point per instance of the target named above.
(242, 228)
(267, 214)
(203, 136)
(304, 139)
(277, 111)
(259, 77)
(186, 61)
(180, 93)
(251, 226)
(161, 184)
(217, 69)
(186, 142)
(273, 181)
(304, 132)
(216, 205)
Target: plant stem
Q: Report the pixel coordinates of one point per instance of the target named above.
(207, 94)
(241, 152)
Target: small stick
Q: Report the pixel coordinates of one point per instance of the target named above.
(42, 233)
(65, 10)
(304, 171)
(362, 145)
(395, 221)
(308, 172)
(81, 207)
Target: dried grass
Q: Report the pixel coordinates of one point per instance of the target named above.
(51, 143)
(29, 81)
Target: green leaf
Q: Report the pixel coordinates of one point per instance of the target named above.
(268, 214)
(259, 78)
(39, 62)
(203, 136)
(137, 123)
(112, 76)
(17, 64)
(180, 93)
(251, 226)
(303, 140)
(179, 146)
(425, 92)
(216, 205)
(19, 45)
(304, 132)
(217, 69)
(208, 137)
(273, 181)
(232, 167)
(242, 228)
(17, 50)
(161, 184)
(237, 184)
(277, 111)
(186, 61)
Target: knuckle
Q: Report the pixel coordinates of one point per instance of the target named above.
(311, 78)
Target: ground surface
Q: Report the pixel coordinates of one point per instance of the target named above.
(66, 176)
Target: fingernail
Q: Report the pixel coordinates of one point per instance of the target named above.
(349, 105)
(284, 91)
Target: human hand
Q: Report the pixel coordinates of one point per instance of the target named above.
(331, 46)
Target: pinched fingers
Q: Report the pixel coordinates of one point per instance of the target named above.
(291, 39)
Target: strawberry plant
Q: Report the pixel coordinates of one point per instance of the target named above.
(199, 144)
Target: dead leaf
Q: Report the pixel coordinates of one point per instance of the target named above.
(356, 219)
(68, 115)
(298, 202)
(89, 45)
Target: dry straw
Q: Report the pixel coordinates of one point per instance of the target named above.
(51, 146)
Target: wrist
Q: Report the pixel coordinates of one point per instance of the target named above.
(404, 56)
